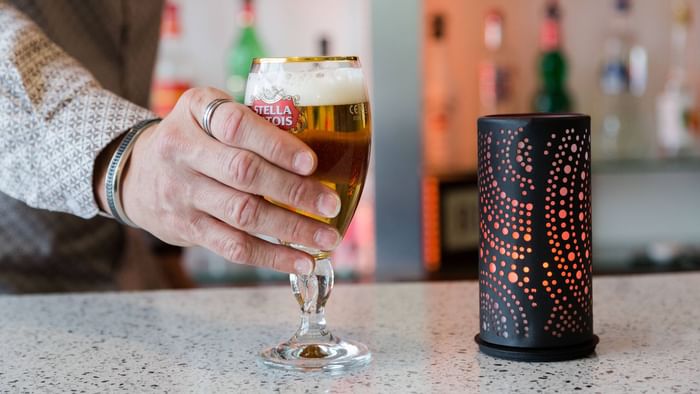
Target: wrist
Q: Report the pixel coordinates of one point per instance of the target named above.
(130, 175)
(109, 172)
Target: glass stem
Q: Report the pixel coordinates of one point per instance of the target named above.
(312, 292)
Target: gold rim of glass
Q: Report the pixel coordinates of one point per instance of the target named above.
(304, 59)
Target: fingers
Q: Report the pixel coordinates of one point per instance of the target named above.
(253, 214)
(236, 125)
(242, 248)
(247, 172)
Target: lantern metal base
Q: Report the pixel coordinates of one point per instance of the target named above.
(538, 354)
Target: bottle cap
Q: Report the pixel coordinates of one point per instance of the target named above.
(623, 5)
(553, 11)
(549, 34)
(438, 26)
(323, 45)
(170, 25)
(683, 15)
(247, 15)
(493, 29)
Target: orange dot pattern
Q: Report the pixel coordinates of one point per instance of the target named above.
(568, 228)
(545, 292)
(506, 206)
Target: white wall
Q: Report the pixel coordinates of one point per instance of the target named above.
(285, 27)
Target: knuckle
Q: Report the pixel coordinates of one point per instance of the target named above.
(243, 167)
(169, 190)
(243, 211)
(233, 124)
(188, 94)
(296, 230)
(296, 192)
(275, 150)
(197, 98)
(277, 261)
(192, 98)
(236, 249)
(195, 95)
(192, 228)
(169, 145)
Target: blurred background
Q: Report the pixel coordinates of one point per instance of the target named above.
(434, 66)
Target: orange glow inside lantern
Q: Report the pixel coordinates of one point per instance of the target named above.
(535, 244)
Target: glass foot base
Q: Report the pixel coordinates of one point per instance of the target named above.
(332, 355)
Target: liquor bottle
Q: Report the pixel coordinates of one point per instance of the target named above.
(494, 72)
(552, 95)
(623, 129)
(439, 151)
(676, 120)
(172, 75)
(242, 52)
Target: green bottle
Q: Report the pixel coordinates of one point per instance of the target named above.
(244, 50)
(552, 95)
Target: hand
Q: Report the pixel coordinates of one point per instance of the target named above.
(189, 189)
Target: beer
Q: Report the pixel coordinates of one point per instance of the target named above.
(323, 101)
(329, 111)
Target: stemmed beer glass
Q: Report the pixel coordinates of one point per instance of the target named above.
(324, 102)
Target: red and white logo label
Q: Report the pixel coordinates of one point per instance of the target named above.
(282, 113)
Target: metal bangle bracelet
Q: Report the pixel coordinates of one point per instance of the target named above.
(114, 171)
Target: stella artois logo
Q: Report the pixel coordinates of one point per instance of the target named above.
(279, 109)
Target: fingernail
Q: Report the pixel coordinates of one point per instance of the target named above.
(326, 238)
(303, 267)
(328, 204)
(303, 162)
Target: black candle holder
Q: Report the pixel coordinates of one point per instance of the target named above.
(535, 290)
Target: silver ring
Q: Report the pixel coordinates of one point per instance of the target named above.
(209, 113)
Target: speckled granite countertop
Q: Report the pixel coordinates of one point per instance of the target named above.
(420, 334)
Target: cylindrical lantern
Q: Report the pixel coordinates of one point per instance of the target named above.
(535, 290)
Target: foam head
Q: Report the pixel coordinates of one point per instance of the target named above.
(312, 87)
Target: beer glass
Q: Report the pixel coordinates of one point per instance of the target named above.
(323, 101)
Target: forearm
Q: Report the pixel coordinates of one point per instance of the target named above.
(58, 124)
